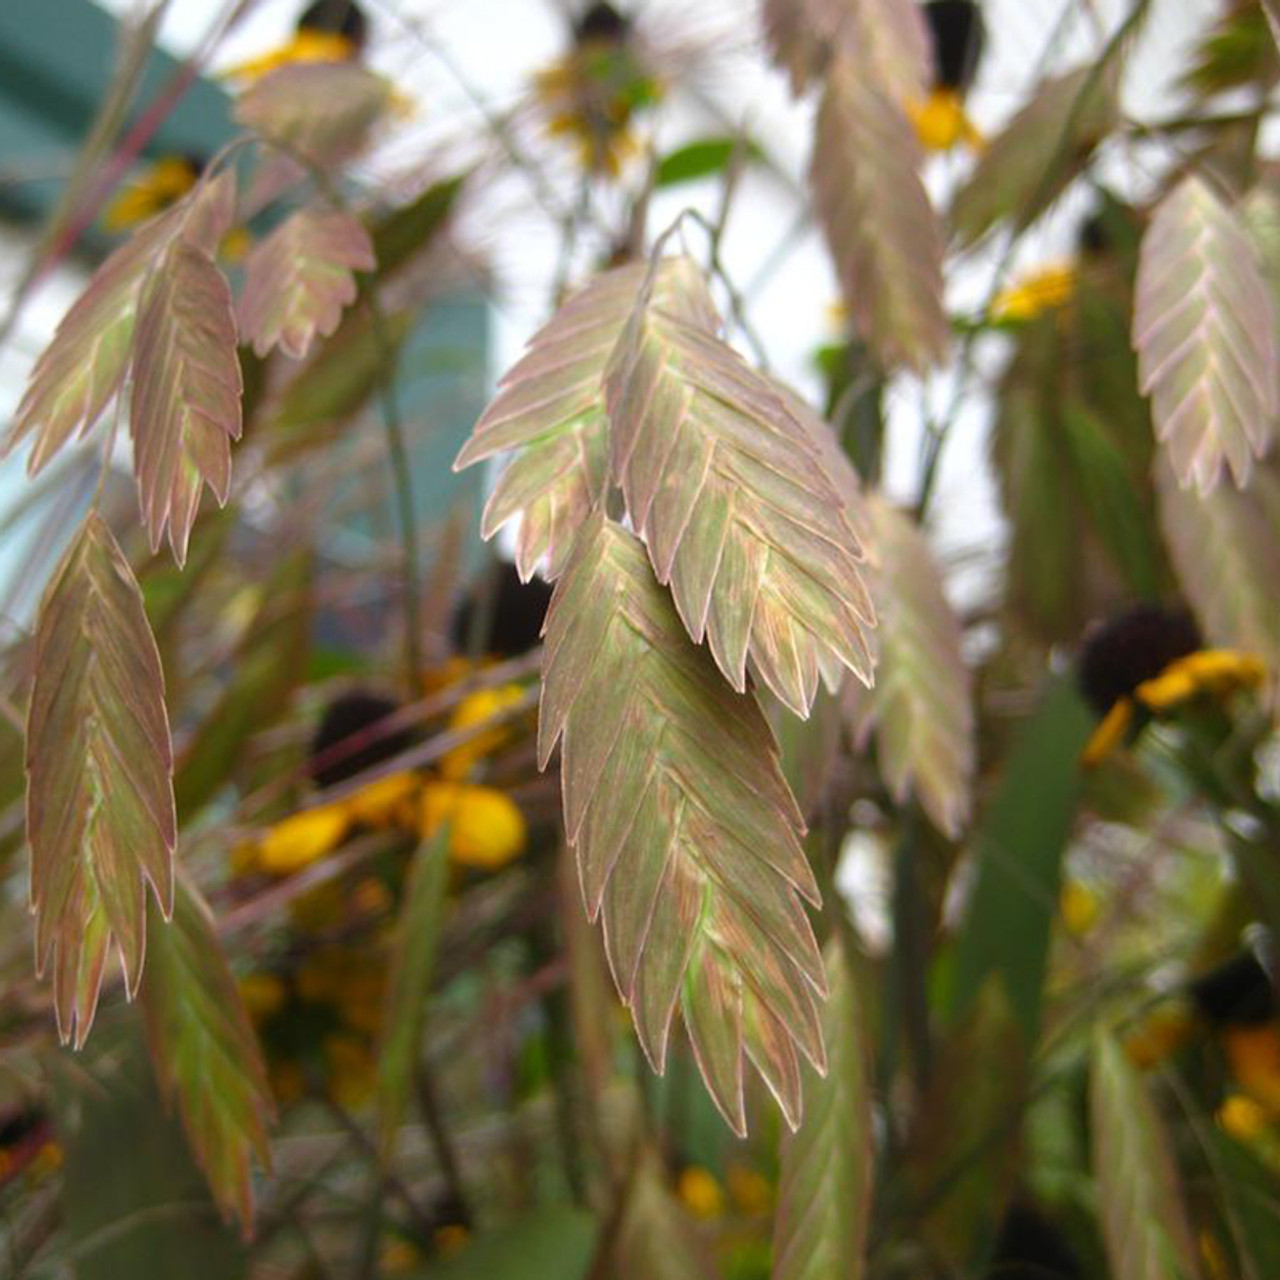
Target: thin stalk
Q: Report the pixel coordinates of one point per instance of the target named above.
(433, 1117)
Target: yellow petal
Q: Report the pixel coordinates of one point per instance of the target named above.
(387, 802)
(940, 121)
(1078, 904)
(306, 46)
(1035, 293)
(263, 994)
(476, 709)
(1109, 734)
(751, 1191)
(302, 839)
(1162, 1034)
(1254, 1055)
(700, 1193)
(1244, 1118)
(1215, 671)
(352, 1071)
(487, 829)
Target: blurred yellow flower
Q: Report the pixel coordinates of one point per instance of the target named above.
(352, 1071)
(1219, 672)
(1162, 1034)
(1244, 1118)
(450, 1239)
(1079, 906)
(475, 709)
(941, 122)
(1035, 293)
(263, 994)
(307, 45)
(301, 839)
(398, 1256)
(389, 801)
(1253, 1053)
(164, 183)
(1216, 672)
(486, 828)
(700, 1193)
(751, 1191)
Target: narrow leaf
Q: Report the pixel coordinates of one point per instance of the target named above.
(1144, 1224)
(734, 504)
(398, 236)
(550, 409)
(1039, 153)
(325, 111)
(824, 1192)
(185, 407)
(699, 159)
(1205, 331)
(878, 220)
(1225, 547)
(100, 817)
(921, 705)
(299, 278)
(687, 838)
(651, 1239)
(413, 959)
(1018, 845)
(205, 1051)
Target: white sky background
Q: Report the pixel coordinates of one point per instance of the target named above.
(497, 45)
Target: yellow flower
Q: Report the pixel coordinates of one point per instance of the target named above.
(475, 709)
(941, 122)
(389, 801)
(700, 1193)
(263, 994)
(751, 1191)
(287, 1081)
(163, 184)
(398, 1256)
(1219, 672)
(1109, 734)
(47, 1160)
(486, 828)
(1079, 906)
(1162, 1034)
(307, 45)
(1244, 1118)
(352, 1070)
(1216, 672)
(450, 1239)
(1215, 1261)
(1035, 293)
(1254, 1055)
(303, 838)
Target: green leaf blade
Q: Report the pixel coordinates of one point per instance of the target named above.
(1144, 1224)
(824, 1194)
(205, 1052)
(412, 965)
